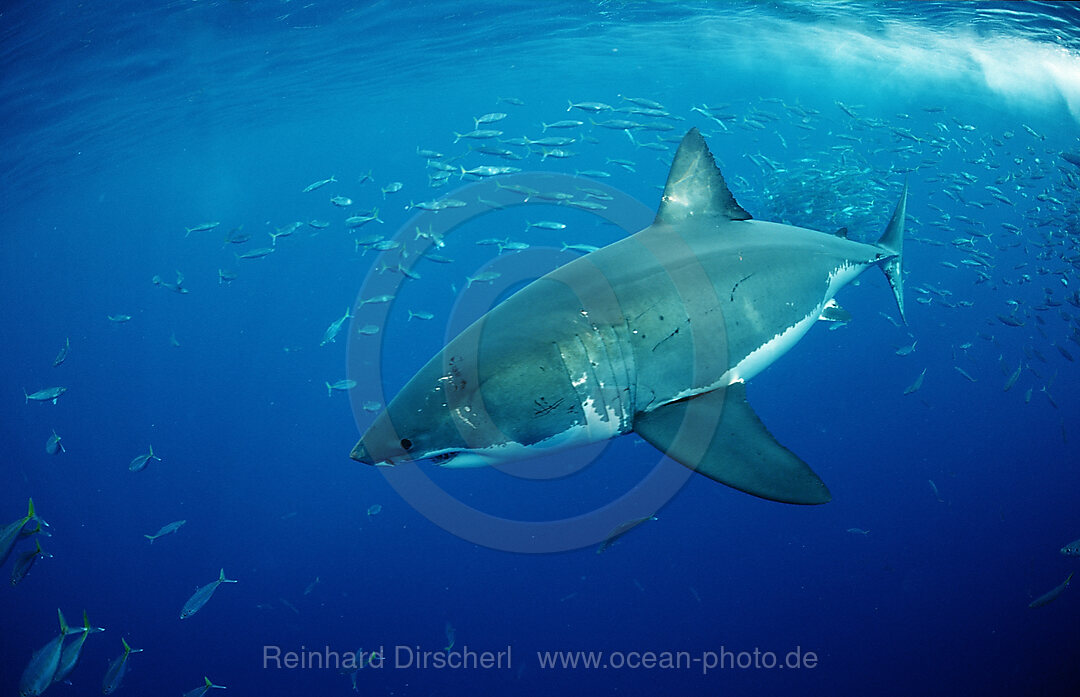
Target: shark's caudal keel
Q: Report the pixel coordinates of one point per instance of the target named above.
(656, 333)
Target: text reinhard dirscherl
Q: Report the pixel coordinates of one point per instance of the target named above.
(401, 657)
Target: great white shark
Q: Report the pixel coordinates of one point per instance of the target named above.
(655, 334)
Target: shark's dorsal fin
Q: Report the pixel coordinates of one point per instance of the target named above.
(695, 188)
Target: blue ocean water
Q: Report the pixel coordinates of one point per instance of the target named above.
(126, 123)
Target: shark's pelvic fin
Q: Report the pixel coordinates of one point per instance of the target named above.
(695, 188)
(893, 242)
(723, 439)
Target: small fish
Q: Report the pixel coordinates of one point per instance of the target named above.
(119, 319)
(546, 225)
(53, 446)
(62, 356)
(420, 314)
(858, 531)
(25, 561)
(226, 277)
(70, 655)
(391, 188)
(594, 107)
(1051, 595)
(566, 123)
(39, 673)
(512, 246)
(319, 224)
(201, 227)
(49, 394)
(374, 510)
(559, 153)
(617, 124)
(1032, 132)
(450, 636)
(1014, 377)
(583, 248)
(438, 258)
(372, 406)
(906, 350)
(237, 236)
(114, 675)
(552, 142)
(964, 373)
(284, 231)
(1010, 320)
(311, 586)
(933, 487)
(510, 100)
(478, 134)
(553, 196)
(356, 221)
(139, 462)
(642, 101)
(320, 183)
(1072, 549)
(525, 191)
(12, 532)
(341, 385)
(375, 300)
(203, 689)
(437, 205)
(177, 287)
(202, 595)
(482, 277)
(621, 530)
(488, 171)
(596, 193)
(489, 118)
(341, 201)
(167, 529)
(256, 253)
(587, 205)
(334, 329)
(368, 330)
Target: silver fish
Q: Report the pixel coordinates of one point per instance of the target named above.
(49, 394)
(139, 462)
(196, 601)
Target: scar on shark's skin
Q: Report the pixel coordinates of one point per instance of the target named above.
(674, 332)
(732, 299)
(542, 406)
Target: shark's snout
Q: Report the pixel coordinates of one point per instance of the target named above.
(360, 454)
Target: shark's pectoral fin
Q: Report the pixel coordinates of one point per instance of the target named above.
(722, 438)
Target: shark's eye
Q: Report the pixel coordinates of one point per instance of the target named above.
(406, 444)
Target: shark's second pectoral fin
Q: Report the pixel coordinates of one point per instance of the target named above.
(722, 438)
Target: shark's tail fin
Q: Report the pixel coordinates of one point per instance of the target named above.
(892, 241)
